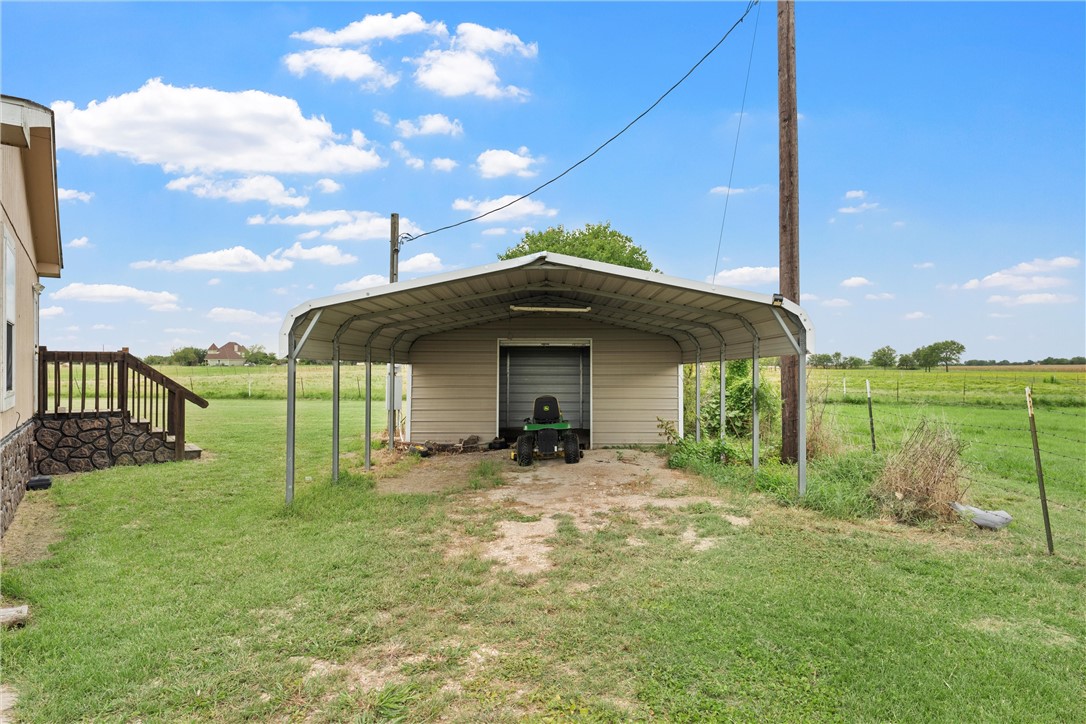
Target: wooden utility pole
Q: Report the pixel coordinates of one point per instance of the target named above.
(789, 215)
(394, 250)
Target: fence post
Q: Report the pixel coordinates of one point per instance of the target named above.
(870, 415)
(1040, 472)
(122, 381)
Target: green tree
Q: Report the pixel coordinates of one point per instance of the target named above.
(947, 352)
(884, 357)
(188, 356)
(598, 242)
(823, 360)
(257, 355)
(926, 357)
(906, 362)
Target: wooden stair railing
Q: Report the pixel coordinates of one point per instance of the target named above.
(119, 382)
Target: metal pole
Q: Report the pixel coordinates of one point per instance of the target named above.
(394, 250)
(369, 409)
(697, 398)
(1040, 472)
(754, 410)
(723, 391)
(802, 410)
(870, 415)
(292, 369)
(335, 411)
(390, 401)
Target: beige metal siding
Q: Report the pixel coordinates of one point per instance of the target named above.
(16, 220)
(454, 380)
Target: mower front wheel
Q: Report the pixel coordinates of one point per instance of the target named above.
(571, 446)
(525, 448)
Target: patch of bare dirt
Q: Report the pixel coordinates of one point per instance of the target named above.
(36, 527)
(605, 483)
(7, 702)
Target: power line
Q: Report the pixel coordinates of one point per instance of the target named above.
(406, 237)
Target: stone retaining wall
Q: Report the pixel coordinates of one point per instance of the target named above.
(80, 444)
(16, 453)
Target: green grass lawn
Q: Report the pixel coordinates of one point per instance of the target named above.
(187, 591)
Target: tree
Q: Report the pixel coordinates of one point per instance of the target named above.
(595, 241)
(947, 352)
(925, 357)
(906, 362)
(884, 357)
(852, 362)
(257, 355)
(188, 356)
(823, 360)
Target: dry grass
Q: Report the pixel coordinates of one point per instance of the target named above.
(922, 479)
(823, 438)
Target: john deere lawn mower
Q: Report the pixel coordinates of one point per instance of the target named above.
(542, 432)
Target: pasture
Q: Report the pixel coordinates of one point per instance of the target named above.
(187, 591)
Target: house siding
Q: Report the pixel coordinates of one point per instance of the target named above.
(454, 383)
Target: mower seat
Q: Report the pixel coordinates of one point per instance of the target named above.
(546, 410)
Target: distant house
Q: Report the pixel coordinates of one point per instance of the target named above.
(230, 354)
(29, 250)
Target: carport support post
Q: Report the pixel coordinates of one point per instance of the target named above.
(335, 411)
(367, 433)
(697, 398)
(801, 410)
(754, 410)
(723, 379)
(292, 373)
(390, 401)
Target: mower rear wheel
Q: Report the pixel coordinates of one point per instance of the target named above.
(525, 448)
(571, 446)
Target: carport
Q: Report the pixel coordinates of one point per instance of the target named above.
(382, 324)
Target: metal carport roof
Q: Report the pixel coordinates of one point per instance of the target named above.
(706, 321)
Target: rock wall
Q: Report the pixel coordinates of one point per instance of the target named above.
(16, 467)
(80, 444)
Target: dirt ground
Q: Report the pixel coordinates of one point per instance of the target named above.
(604, 483)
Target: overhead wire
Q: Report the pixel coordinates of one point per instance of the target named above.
(735, 148)
(412, 237)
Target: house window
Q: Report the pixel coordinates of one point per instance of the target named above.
(7, 398)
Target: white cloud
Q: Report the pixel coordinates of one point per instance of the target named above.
(118, 293)
(373, 27)
(994, 338)
(211, 131)
(307, 235)
(325, 254)
(72, 195)
(495, 231)
(81, 242)
(341, 63)
(808, 297)
(1028, 276)
(522, 209)
(242, 316)
(837, 303)
(728, 191)
(899, 224)
(254, 188)
(881, 296)
(748, 276)
(924, 265)
(859, 208)
(50, 311)
(425, 263)
(855, 195)
(328, 186)
(308, 218)
(235, 259)
(431, 124)
(466, 68)
(1031, 299)
(495, 163)
(443, 164)
(214, 282)
(914, 315)
(370, 280)
(856, 282)
(412, 161)
(102, 326)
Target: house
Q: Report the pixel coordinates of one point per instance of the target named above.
(478, 345)
(31, 250)
(230, 354)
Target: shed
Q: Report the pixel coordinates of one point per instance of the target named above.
(480, 343)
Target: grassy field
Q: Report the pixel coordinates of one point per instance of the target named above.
(188, 592)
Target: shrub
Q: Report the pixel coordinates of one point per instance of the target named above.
(922, 479)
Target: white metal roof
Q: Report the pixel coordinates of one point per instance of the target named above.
(696, 315)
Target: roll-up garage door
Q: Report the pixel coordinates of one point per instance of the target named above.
(526, 372)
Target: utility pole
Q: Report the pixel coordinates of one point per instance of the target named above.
(789, 215)
(394, 250)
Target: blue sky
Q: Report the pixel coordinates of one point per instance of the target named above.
(222, 163)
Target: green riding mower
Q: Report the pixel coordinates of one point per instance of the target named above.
(542, 432)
